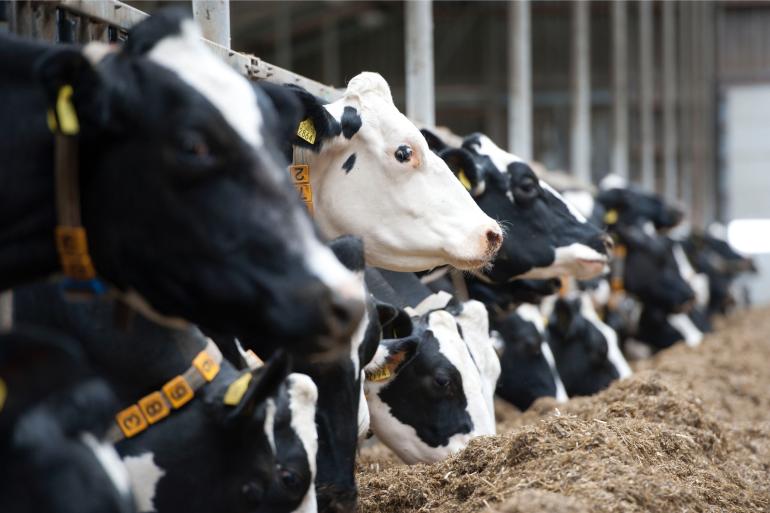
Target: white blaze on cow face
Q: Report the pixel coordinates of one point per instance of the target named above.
(412, 215)
(303, 396)
(187, 55)
(145, 475)
(531, 313)
(684, 325)
(614, 354)
(474, 322)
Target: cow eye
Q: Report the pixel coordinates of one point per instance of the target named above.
(441, 380)
(526, 189)
(252, 492)
(403, 153)
(289, 478)
(192, 148)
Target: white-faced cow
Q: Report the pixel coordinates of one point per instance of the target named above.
(373, 176)
(184, 197)
(545, 236)
(528, 368)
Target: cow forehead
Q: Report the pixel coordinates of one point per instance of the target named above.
(499, 157)
(231, 94)
(570, 207)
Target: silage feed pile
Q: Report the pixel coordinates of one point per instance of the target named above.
(690, 431)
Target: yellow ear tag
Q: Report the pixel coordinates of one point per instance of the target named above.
(65, 112)
(611, 217)
(3, 393)
(464, 180)
(306, 130)
(378, 375)
(236, 389)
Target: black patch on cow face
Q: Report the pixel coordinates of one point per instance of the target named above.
(349, 163)
(580, 350)
(524, 372)
(146, 34)
(326, 126)
(351, 122)
(427, 392)
(651, 272)
(528, 211)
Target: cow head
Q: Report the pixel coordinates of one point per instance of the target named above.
(185, 197)
(545, 236)
(230, 449)
(650, 270)
(374, 176)
(528, 366)
(427, 397)
(581, 349)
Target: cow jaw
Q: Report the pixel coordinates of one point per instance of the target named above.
(576, 260)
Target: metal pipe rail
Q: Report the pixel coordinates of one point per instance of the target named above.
(109, 21)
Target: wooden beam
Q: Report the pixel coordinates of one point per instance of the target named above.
(420, 99)
(580, 151)
(520, 79)
(620, 89)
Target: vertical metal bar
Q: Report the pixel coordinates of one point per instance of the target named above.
(520, 79)
(420, 94)
(646, 96)
(580, 151)
(491, 73)
(685, 103)
(708, 140)
(669, 102)
(620, 88)
(330, 50)
(6, 310)
(214, 18)
(696, 171)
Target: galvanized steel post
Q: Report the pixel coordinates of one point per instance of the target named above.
(420, 93)
(619, 89)
(580, 151)
(670, 189)
(520, 79)
(646, 95)
(214, 18)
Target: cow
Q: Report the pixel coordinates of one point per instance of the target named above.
(431, 383)
(546, 237)
(528, 368)
(254, 450)
(586, 350)
(372, 175)
(184, 197)
(53, 414)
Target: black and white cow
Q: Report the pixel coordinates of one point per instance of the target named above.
(53, 413)
(256, 455)
(373, 176)
(430, 385)
(184, 196)
(546, 236)
(527, 365)
(586, 350)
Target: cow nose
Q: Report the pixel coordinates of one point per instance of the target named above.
(494, 240)
(609, 244)
(343, 315)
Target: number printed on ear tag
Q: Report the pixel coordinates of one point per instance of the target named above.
(378, 375)
(306, 130)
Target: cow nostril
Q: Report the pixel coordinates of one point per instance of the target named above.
(494, 239)
(344, 315)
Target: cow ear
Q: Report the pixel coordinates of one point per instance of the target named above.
(264, 383)
(391, 355)
(169, 22)
(434, 141)
(349, 250)
(398, 327)
(316, 125)
(70, 80)
(282, 108)
(463, 165)
(386, 313)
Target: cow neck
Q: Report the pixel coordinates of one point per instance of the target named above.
(71, 238)
(174, 394)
